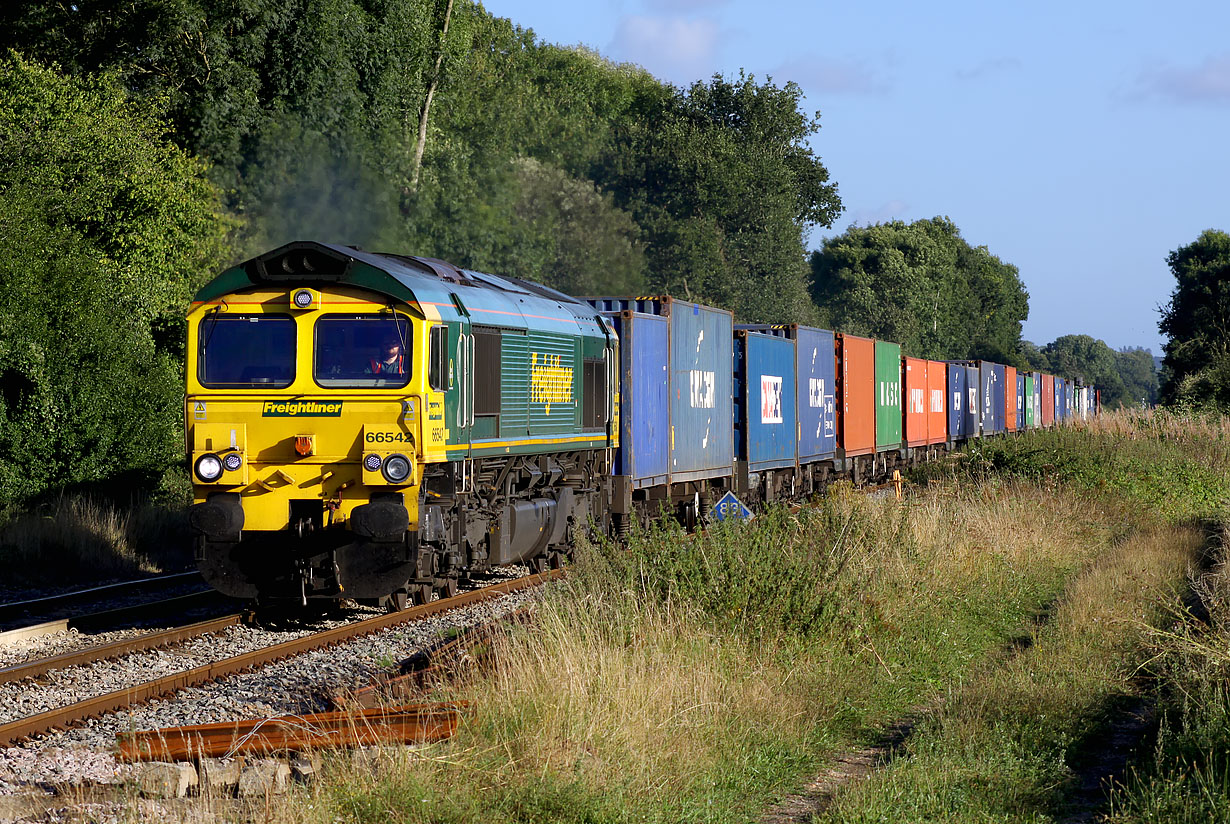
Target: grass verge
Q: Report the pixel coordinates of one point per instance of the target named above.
(700, 680)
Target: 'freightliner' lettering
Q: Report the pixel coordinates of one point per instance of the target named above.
(302, 409)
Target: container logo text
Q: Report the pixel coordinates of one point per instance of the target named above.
(890, 393)
(301, 409)
(917, 407)
(770, 399)
(937, 400)
(703, 395)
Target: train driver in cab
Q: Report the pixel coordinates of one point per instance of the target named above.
(389, 360)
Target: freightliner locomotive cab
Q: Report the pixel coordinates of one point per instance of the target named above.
(378, 426)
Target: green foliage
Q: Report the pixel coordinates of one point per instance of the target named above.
(722, 181)
(1197, 323)
(104, 231)
(921, 284)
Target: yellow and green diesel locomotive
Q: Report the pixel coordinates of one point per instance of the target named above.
(377, 426)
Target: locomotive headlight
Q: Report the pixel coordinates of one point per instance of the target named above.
(396, 469)
(208, 468)
(232, 461)
(303, 298)
(372, 463)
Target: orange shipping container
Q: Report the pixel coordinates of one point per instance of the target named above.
(1048, 400)
(914, 379)
(1010, 398)
(937, 394)
(856, 394)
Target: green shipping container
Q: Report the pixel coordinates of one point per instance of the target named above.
(1029, 400)
(888, 396)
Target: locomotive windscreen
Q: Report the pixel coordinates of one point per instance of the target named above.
(247, 351)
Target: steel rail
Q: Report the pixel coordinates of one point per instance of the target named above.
(104, 652)
(23, 728)
(411, 724)
(112, 617)
(17, 608)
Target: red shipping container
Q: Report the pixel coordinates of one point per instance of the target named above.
(937, 397)
(1010, 398)
(914, 380)
(1048, 400)
(856, 394)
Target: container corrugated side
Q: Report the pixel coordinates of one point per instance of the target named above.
(764, 380)
(701, 391)
(937, 407)
(888, 395)
(644, 445)
(914, 378)
(1037, 399)
(1020, 402)
(1048, 400)
(956, 402)
(817, 386)
(973, 393)
(1010, 394)
(856, 401)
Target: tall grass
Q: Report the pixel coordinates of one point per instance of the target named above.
(698, 679)
(79, 539)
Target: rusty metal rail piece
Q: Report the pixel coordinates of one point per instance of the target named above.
(411, 724)
(15, 731)
(104, 652)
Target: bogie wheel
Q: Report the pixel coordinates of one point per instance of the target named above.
(538, 564)
(557, 560)
(396, 601)
(446, 587)
(420, 594)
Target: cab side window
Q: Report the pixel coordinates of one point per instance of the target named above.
(437, 370)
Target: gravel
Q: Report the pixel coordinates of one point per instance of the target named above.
(83, 754)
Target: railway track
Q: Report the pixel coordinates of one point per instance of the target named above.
(17, 610)
(20, 729)
(205, 599)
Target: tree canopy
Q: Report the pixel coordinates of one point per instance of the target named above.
(1196, 322)
(105, 228)
(923, 285)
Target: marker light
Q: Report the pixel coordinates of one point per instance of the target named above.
(372, 462)
(396, 469)
(208, 468)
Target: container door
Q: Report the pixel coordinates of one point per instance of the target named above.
(888, 395)
(956, 402)
(817, 421)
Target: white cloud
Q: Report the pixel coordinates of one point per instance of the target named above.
(679, 49)
(832, 76)
(1208, 82)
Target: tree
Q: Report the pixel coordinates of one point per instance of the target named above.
(105, 229)
(1139, 375)
(1091, 361)
(724, 185)
(922, 285)
(1196, 322)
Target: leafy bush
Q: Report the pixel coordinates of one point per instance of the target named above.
(104, 230)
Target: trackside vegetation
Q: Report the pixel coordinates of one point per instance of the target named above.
(1013, 603)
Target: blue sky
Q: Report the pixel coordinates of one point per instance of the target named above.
(1080, 141)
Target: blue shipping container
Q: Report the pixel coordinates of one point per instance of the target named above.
(644, 423)
(765, 400)
(991, 382)
(973, 397)
(700, 354)
(956, 402)
(1020, 401)
(1037, 399)
(815, 388)
(817, 377)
